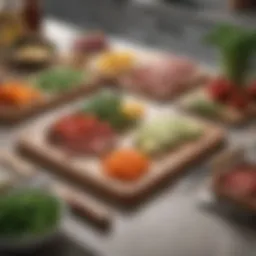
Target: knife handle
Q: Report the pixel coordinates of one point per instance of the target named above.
(84, 205)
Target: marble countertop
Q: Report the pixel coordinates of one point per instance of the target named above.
(173, 222)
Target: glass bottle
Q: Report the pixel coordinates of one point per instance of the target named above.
(241, 4)
(11, 26)
(32, 15)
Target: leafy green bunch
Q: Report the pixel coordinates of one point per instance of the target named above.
(107, 106)
(237, 47)
(29, 212)
(59, 80)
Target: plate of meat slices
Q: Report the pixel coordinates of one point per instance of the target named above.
(229, 97)
(234, 181)
(163, 78)
(149, 72)
(120, 145)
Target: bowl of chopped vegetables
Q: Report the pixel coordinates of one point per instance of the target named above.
(29, 218)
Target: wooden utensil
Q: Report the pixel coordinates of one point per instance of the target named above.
(85, 205)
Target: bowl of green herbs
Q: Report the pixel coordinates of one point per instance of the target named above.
(29, 218)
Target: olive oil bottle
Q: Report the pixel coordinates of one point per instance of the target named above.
(11, 23)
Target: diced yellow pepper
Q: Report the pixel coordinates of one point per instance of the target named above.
(115, 63)
(133, 110)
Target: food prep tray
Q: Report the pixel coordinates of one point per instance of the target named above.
(87, 170)
(13, 114)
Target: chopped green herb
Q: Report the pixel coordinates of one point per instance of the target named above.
(205, 107)
(29, 212)
(107, 106)
(58, 80)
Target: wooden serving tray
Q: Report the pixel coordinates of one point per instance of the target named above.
(223, 164)
(201, 77)
(87, 170)
(12, 115)
(228, 116)
(143, 56)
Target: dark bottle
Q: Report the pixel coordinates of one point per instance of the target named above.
(242, 4)
(32, 15)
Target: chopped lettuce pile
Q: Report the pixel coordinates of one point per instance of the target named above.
(166, 133)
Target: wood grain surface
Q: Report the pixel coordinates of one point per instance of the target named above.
(11, 115)
(88, 171)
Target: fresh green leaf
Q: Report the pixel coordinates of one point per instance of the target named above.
(107, 106)
(28, 212)
(236, 47)
(58, 80)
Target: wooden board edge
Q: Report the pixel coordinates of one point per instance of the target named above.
(239, 121)
(203, 76)
(127, 197)
(18, 116)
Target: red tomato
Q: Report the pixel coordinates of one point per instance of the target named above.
(219, 89)
(239, 100)
(252, 90)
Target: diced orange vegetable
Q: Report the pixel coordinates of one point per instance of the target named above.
(126, 164)
(18, 94)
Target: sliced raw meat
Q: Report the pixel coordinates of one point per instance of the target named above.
(82, 134)
(162, 78)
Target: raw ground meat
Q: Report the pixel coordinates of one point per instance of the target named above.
(82, 134)
(240, 182)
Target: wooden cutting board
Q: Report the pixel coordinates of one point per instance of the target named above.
(88, 171)
(12, 115)
(201, 76)
(227, 116)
